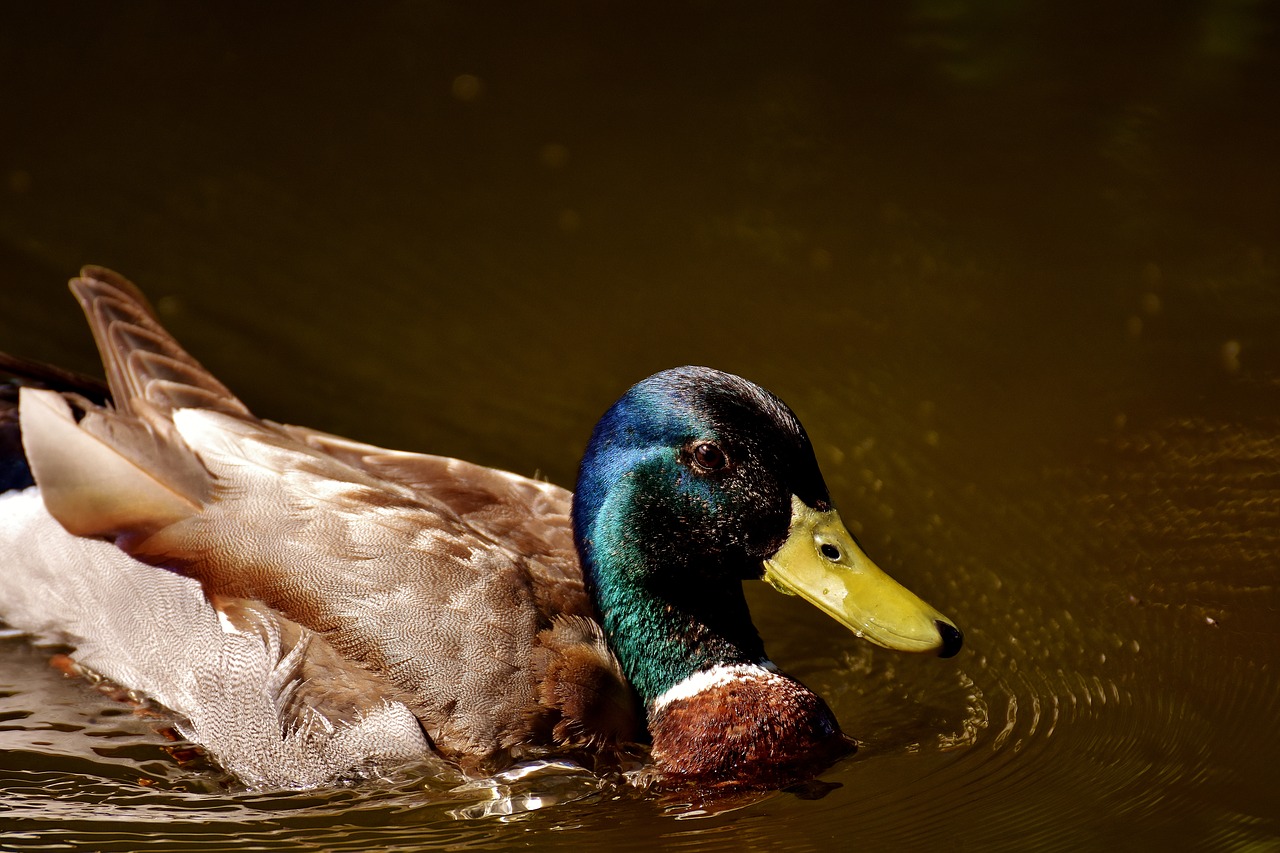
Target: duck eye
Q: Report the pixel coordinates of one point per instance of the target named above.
(831, 552)
(709, 457)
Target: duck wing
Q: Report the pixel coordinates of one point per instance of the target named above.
(583, 695)
(180, 474)
(530, 516)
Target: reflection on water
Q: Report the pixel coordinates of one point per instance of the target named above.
(1015, 267)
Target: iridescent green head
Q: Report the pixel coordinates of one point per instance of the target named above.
(694, 481)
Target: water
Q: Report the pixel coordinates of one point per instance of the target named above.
(1015, 269)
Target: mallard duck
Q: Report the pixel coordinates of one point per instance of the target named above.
(313, 608)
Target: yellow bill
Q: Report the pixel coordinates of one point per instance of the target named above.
(821, 563)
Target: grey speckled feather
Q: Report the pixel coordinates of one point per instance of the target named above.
(259, 696)
(453, 588)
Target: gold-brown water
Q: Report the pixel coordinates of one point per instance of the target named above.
(1016, 268)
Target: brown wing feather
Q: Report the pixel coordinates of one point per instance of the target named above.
(531, 517)
(582, 683)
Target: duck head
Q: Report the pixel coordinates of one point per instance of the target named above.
(694, 481)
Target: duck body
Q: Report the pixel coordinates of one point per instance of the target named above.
(315, 608)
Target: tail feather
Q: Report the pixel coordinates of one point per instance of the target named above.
(107, 475)
(149, 373)
(120, 469)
